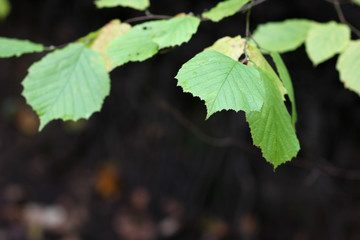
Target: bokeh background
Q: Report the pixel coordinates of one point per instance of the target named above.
(148, 166)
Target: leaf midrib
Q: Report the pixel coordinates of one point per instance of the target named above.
(67, 81)
(222, 84)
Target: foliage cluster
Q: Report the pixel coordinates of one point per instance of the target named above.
(71, 82)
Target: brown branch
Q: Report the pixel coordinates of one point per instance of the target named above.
(342, 17)
(323, 166)
(247, 32)
(148, 17)
(250, 5)
(213, 141)
(52, 47)
(327, 168)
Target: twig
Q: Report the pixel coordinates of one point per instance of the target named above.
(258, 45)
(327, 168)
(250, 5)
(148, 17)
(324, 166)
(52, 47)
(247, 30)
(217, 142)
(342, 17)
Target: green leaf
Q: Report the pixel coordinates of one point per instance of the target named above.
(224, 9)
(135, 45)
(234, 48)
(144, 40)
(231, 47)
(175, 31)
(5, 9)
(282, 36)
(271, 128)
(10, 47)
(285, 78)
(348, 65)
(222, 82)
(101, 39)
(136, 4)
(67, 84)
(356, 2)
(325, 40)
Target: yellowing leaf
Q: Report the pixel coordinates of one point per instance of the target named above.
(5, 8)
(325, 40)
(107, 182)
(144, 40)
(135, 45)
(231, 47)
(108, 33)
(348, 66)
(224, 9)
(260, 61)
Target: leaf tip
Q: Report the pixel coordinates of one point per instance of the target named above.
(43, 123)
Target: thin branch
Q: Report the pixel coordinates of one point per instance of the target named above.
(148, 17)
(327, 168)
(341, 2)
(322, 166)
(342, 17)
(247, 31)
(52, 47)
(213, 141)
(250, 5)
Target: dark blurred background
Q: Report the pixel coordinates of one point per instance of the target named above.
(148, 166)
